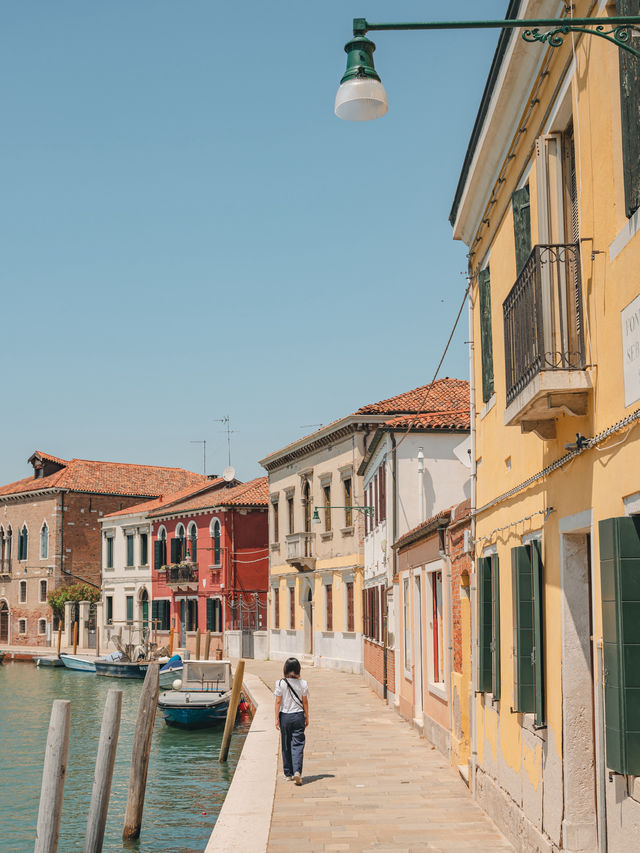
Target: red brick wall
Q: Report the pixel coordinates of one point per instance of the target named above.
(374, 664)
(460, 561)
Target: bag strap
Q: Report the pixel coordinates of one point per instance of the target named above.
(298, 699)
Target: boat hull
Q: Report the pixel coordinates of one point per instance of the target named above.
(194, 709)
(112, 669)
(78, 663)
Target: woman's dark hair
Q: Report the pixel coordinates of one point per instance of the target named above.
(291, 667)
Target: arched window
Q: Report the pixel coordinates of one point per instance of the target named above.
(23, 543)
(44, 541)
(179, 545)
(3, 543)
(42, 626)
(144, 608)
(160, 549)
(215, 541)
(192, 535)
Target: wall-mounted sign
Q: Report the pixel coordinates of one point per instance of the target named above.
(631, 351)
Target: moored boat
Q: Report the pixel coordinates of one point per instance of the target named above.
(202, 698)
(171, 670)
(2, 654)
(48, 660)
(80, 663)
(122, 669)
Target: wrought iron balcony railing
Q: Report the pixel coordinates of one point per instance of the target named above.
(543, 318)
(182, 574)
(300, 546)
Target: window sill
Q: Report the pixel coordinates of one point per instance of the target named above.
(438, 689)
(349, 635)
(347, 531)
(488, 406)
(326, 535)
(275, 546)
(328, 634)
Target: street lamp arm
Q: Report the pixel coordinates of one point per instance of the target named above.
(617, 31)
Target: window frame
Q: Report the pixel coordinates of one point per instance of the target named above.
(22, 599)
(41, 599)
(44, 541)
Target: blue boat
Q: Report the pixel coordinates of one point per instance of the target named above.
(48, 660)
(201, 699)
(79, 663)
(171, 670)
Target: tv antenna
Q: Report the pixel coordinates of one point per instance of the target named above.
(305, 426)
(226, 420)
(204, 453)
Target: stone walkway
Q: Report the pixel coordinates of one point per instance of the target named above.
(370, 782)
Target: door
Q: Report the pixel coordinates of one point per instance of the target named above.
(417, 640)
(4, 623)
(91, 626)
(144, 612)
(308, 622)
(183, 624)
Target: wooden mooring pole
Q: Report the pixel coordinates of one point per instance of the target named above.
(198, 644)
(141, 750)
(170, 642)
(104, 773)
(207, 645)
(75, 637)
(53, 777)
(59, 638)
(233, 710)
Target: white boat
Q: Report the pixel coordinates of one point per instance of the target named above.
(202, 699)
(79, 662)
(48, 660)
(171, 670)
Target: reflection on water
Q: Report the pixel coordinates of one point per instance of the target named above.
(186, 785)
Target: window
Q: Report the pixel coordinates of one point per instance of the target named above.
(161, 614)
(22, 626)
(276, 521)
(350, 602)
(22, 594)
(292, 607)
(179, 545)
(437, 639)
(192, 614)
(406, 613)
(306, 497)
(144, 549)
(160, 550)
(130, 609)
(382, 491)
(43, 592)
(23, 543)
(326, 494)
(193, 542)
(214, 615)
(42, 626)
(109, 609)
(290, 513)
(215, 535)
(630, 117)
(328, 601)
(371, 600)
(109, 555)
(521, 226)
(489, 625)
(348, 513)
(276, 607)
(130, 542)
(526, 563)
(44, 541)
(486, 338)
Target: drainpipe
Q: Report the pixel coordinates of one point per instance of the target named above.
(420, 486)
(394, 535)
(473, 585)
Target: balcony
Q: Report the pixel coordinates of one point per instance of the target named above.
(544, 341)
(5, 567)
(301, 551)
(182, 575)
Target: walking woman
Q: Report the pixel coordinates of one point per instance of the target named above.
(292, 718)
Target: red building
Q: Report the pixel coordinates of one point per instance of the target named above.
(211, 563)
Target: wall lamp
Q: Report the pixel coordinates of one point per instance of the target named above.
(361, 95)
(315, 518)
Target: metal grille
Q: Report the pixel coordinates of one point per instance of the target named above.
(248, 611)
(543, 325)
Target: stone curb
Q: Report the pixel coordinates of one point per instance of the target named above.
(245, 819)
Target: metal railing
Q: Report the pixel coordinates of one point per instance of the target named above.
(182, 574)
(300, 546)
(543, 319)
(5, 567)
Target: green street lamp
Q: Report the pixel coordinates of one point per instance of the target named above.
(361, 95)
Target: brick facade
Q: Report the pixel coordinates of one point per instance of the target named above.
(374, 664)
(460, 562)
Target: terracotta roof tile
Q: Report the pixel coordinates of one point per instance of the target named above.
(255, 493)
(458, 419)
(440, 396)
(164, 501)
(112, 478)
(425, 528)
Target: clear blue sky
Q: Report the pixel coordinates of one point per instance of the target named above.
(187, 230)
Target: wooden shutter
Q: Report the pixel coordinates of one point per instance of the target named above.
(484, 625)
(276, 607)
(129, 608)
(194, 550)
(350, 615)
(620, 582)
(210, 614)
(538, 630)
(176, 550)
(495, 626)
(521, 226)
(630, 111)
(365, 612)
(486, 336)
(524, 651)
(329, 593)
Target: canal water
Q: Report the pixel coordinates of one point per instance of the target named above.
(186, 785)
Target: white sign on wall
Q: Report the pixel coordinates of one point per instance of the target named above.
(631, 351)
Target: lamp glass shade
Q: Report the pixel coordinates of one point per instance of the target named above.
(315, 518)
(361, 99)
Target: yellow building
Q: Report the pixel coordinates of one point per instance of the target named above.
(548, 204)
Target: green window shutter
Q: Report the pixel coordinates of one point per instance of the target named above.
(495, 640)
(165, 615)
(210, 614)
(157, 555)
(523, 591)
(129, 550)
(486, 338)
(194, 550)
(630, 111)
(176, 550)
(129, 608)
(144, 547)
(155, 618)
(484, 625)
(521, 226)
(538, 630)
(620, 584)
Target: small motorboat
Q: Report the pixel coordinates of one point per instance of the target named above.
(201, 698)
(171, 670)
(122, 669)
(48, 660)
(2, 654)
(79, 663)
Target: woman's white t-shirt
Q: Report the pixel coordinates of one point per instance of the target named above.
(290, 704)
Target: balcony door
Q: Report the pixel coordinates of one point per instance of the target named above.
(4, 622)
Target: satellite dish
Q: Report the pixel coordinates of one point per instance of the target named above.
(229, 473)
